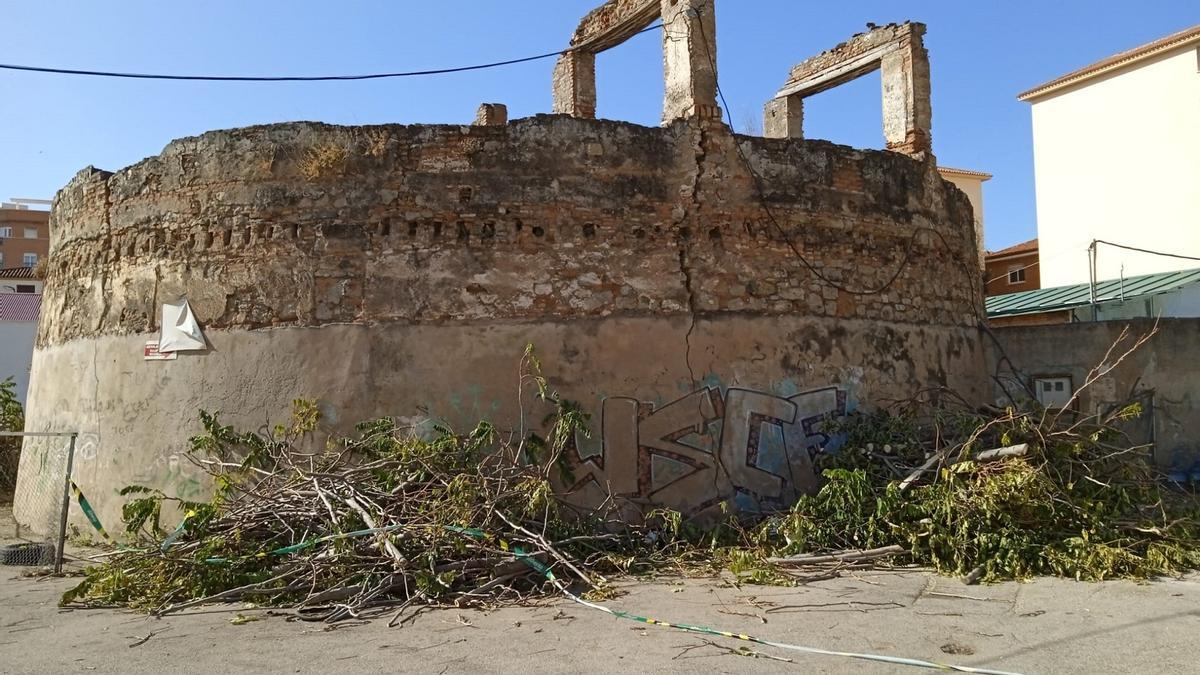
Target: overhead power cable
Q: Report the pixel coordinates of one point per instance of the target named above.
(1042, 261)
(298, 78)
(1143, 250)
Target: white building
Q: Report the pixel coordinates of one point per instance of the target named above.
(18, 330)
(1117, 159)
(971, 183)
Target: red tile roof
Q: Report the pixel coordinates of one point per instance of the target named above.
(965, 172)
(1182, 38)
(16, 273)
(20, 306)
(1023, 247)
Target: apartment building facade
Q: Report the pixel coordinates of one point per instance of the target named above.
(24, 234)
(1013, 269)
(1117, 159)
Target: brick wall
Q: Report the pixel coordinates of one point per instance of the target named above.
(856, 46)
(14, 248)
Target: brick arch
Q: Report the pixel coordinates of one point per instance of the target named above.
(689, 55)
(898, 50)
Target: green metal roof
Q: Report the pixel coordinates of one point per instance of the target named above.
(1079, 295)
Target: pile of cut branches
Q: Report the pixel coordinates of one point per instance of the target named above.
(386, 518)
(998, 494)
(1015, 499)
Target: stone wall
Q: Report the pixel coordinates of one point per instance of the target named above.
(401, 270)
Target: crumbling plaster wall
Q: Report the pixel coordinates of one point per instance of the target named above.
(392, 270)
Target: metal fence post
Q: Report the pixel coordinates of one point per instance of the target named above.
(66, 505)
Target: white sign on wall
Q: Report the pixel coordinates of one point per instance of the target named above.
(180, 330)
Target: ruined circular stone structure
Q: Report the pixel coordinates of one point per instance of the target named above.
(402, 270)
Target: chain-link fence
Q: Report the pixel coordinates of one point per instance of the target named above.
(36, 484)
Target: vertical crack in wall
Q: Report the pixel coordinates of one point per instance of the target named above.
(105, 296)
(153, 316)
(682, 231)
(688, 216)
(685, 269)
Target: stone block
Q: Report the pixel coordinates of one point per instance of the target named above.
(491, 115)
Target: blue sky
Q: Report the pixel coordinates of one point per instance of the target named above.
(983, 54)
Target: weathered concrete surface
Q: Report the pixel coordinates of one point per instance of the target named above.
(1046, 626)
(1164, 375)
(135, 416)
(385, 269)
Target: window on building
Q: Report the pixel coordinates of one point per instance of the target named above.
(1016, 275)
(5, 232)
(29, 259)
(1053, 392)
(26, 288)
(31, 233)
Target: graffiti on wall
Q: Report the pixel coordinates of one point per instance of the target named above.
(754, 448)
